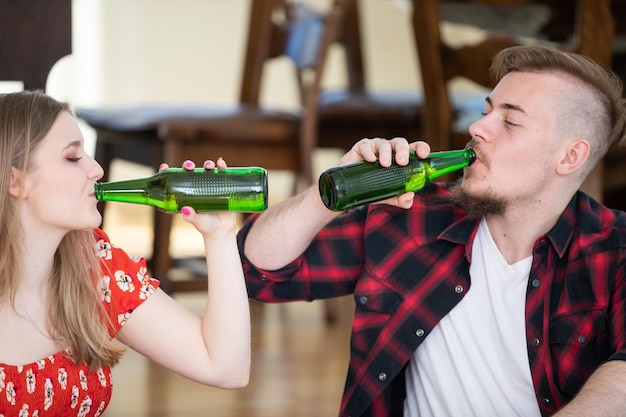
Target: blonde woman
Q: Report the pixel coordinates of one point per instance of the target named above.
(68, 296)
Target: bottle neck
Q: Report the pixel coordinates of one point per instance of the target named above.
(446, 162)
(109, 190)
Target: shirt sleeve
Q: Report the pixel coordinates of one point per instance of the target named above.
(125, 282)
(328, 268)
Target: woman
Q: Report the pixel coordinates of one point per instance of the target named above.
(68, 297)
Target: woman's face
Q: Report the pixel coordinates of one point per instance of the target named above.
(58, 186)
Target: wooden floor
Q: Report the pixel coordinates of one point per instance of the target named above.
(298, 370)
(299, 362)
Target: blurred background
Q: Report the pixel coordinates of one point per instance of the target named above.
(141, 52)
(136, 52)
(192, 52)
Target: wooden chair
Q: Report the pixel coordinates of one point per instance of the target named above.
(347, 115)
(592, 35)
(33, 37)
(246, 134)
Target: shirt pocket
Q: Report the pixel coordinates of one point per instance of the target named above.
(375, 303)
(579, 343)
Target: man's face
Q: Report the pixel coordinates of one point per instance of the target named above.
(516, 143)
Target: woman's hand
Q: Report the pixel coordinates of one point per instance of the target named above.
(207, 223)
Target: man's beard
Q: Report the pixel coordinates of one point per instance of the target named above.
(476, 206)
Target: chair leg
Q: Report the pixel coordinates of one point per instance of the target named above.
(161, 261)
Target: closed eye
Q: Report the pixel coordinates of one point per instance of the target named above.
(484, 113)
(75, 159)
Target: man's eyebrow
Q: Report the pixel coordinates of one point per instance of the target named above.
(506, 106)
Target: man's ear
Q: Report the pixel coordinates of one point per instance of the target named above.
(16, 186)
(577, 153)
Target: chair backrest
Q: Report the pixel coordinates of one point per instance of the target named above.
(291, 28)
(304, 35)
(592, 35)
(350, 39)
(33, 37)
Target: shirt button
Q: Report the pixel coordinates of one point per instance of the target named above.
(382, 376)
(458, 289)
(546, 401)
(582, 339)
(420, 332)
(536, 283)
(363, 300)
(535, 341)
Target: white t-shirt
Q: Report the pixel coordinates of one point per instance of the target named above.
(475, 361)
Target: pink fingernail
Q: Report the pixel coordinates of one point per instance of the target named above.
(162, 166)
(188, 164)
(186, 211)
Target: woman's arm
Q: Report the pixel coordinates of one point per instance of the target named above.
(213, 349)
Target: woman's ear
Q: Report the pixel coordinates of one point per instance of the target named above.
(577, 153)
(17, 183)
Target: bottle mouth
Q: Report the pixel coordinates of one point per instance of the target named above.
(97, 187)
(471, 155)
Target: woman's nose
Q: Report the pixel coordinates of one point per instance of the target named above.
(96, 170)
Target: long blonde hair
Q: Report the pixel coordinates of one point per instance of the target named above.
(75, 308)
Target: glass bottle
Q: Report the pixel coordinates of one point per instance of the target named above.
(360, 183)
(219, 189)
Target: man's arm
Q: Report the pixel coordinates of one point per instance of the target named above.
(604, 393)
(283, 232)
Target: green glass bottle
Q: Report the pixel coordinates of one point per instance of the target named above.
(352, 185)
(219, 189)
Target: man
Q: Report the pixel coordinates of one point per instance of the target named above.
(502, 295)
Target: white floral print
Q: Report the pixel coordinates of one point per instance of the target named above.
(62, 378)
(10, 393)
(31, 381)
(103, 249)
(124, 281)
(74, 396)
(106, 290)
(49, 393)
(85, 406)
(56, 385)
(83, 380)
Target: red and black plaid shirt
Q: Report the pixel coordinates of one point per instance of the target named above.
(408, 268)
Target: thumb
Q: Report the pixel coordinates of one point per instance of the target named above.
(405, 200)
(188, 213)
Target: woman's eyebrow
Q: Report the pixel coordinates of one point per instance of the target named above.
(73, 144)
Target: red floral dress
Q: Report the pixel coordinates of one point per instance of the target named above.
(56, 386)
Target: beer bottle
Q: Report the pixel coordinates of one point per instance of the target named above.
(360, 183)
(220, 189)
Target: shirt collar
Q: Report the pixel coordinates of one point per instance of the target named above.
(463, 231)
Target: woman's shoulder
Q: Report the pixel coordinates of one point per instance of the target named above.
(110, 254)
(126, 282)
